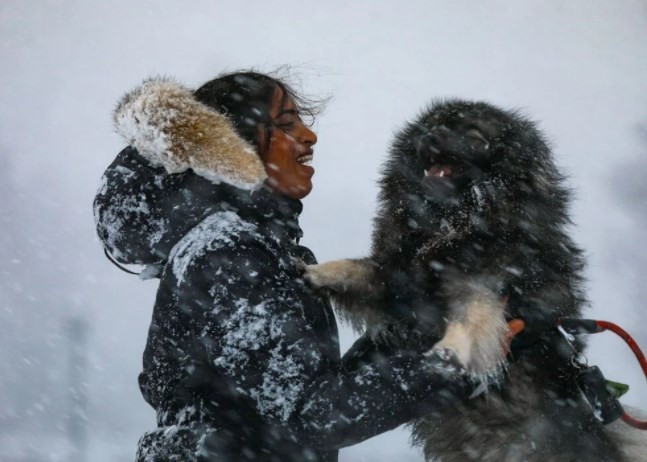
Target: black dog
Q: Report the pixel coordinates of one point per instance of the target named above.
(472, 231)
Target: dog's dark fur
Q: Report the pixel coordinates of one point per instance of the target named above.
(462, 253)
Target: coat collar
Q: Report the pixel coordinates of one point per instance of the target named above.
(277, 215)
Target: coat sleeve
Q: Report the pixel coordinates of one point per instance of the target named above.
(250, 312)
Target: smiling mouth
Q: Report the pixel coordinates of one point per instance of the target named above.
(305, 159)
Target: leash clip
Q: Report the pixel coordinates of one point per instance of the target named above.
(578, 359)
(602, 394)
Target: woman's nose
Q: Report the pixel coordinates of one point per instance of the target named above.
(307, 136)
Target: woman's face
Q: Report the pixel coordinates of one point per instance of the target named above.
(288, 157)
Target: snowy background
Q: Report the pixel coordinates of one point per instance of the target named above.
(579, 67)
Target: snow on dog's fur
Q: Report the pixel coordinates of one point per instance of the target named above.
(472, 230)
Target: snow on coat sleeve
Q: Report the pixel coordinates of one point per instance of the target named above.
(249, 310)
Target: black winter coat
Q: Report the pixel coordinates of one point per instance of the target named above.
(242, 360)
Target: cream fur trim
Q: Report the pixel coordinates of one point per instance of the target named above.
(168, 127)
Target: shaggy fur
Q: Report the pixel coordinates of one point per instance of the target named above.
(168, 127)
(471, 230)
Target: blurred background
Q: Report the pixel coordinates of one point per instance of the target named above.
(73, 327)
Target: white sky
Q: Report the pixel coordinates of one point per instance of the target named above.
(578, 67)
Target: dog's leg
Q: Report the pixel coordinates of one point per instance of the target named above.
(342, 275)
(355, 288)
(475, 333)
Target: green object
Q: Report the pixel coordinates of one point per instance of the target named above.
(617, 389)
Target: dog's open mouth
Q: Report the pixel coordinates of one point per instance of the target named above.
(440, 171)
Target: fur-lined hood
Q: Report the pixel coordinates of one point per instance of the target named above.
(170, 128)
(185, 161)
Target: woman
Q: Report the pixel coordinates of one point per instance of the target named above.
(242, 360)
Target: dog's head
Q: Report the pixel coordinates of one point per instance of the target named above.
(465, 164)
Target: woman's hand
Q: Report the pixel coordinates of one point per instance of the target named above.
(515, 326)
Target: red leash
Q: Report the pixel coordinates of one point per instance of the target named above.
(591, 326)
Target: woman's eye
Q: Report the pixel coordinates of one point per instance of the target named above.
(286, 122)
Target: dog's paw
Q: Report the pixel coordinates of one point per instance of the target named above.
(480, 349)
(332, 275)
(299, 264)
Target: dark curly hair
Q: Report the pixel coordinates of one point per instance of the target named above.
(245, 97)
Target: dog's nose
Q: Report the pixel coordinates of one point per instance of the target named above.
(430, 144)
